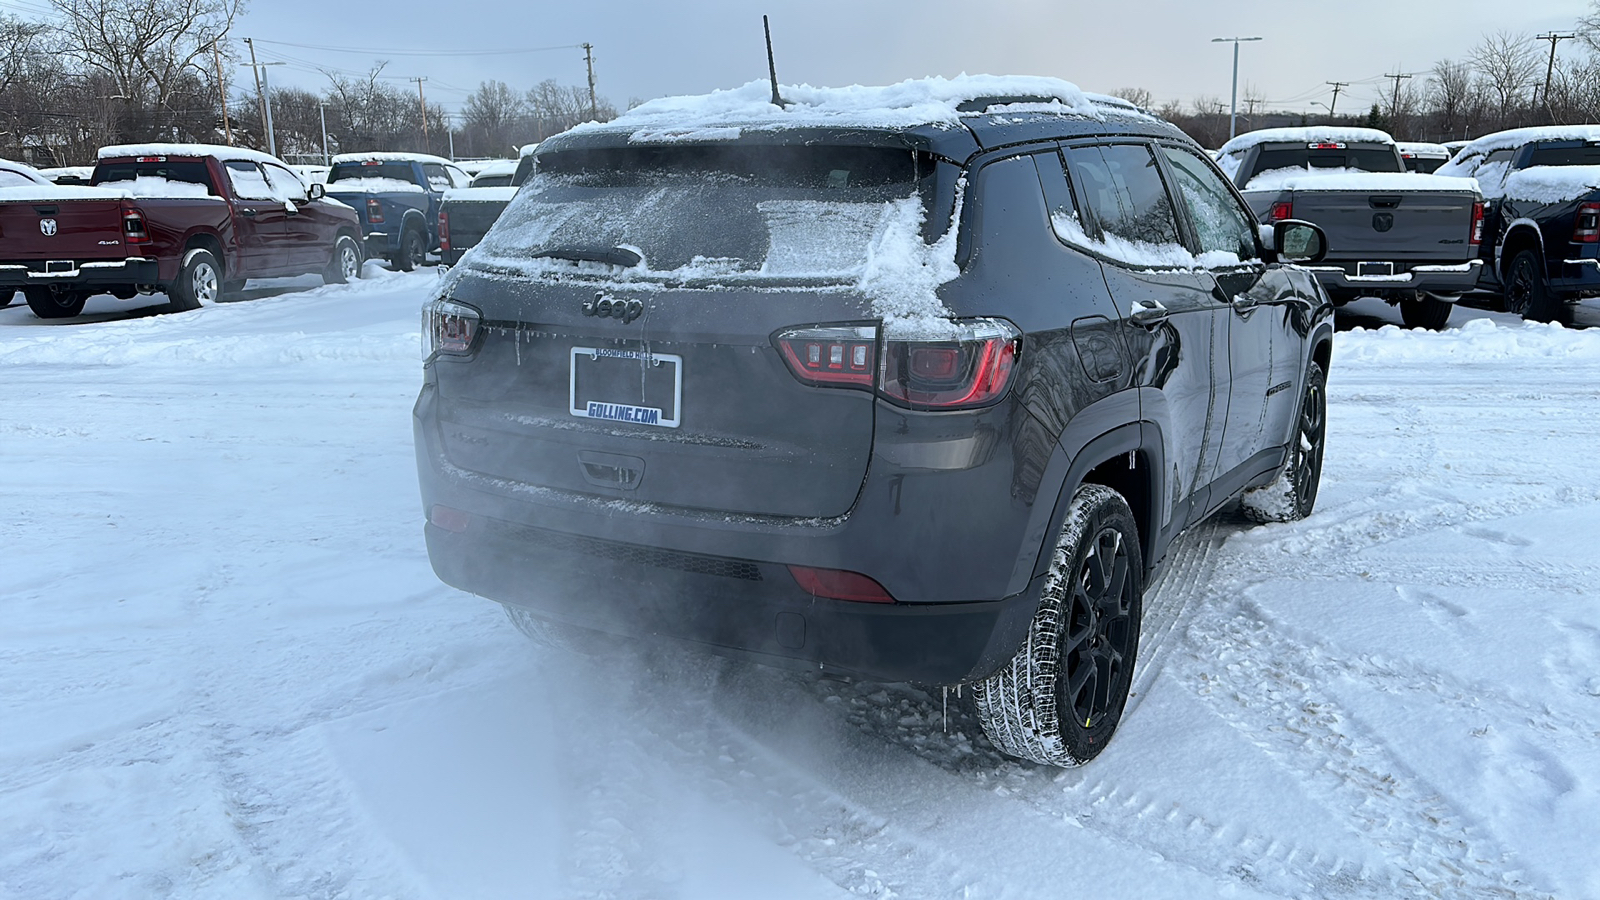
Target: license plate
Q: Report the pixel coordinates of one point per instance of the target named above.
(1374, 268)
(633, 387)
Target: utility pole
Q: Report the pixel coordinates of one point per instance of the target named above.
(1337, 86)
(450, 126)
(266, 83)
(1394, 107)
(588, 58)
(222, 91)
(1549, 70)
(322, 110)
(1233, 110)
(261, 103)
(424, 101)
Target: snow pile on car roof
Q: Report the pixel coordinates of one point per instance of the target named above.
(385, 156)
(1420, 148)
(722, 115)
(1516, 137)
(375, 185)
(1311, 134)
(1297, 179)
(1552, 184)
(217, 151)
(27, 192)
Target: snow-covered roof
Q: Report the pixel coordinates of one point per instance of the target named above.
(1425, 150)
(1310, 134)
(49, 191)
(722, 115)
(1516, 137)
(527, 150)
(218, 151)
(384, 156)
(1352, 180)
(501, 194)
(25, 170)
(497, 167)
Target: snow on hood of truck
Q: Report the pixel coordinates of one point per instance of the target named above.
(383, 156)
(1552, 184)
(726, 114)
(1356, 180)
(216, 151)
(1311, 134)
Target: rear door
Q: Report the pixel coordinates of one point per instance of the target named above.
(260, 223)
(1183, 349)
(308, 229)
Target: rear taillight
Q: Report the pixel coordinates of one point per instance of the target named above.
(374, 211)
(836, 584)
(1477, 223)
(451, 327)
(838, 355)
(133, 227)
(1586, 228)
(444, 230)
(1283, 209)
(968, 366)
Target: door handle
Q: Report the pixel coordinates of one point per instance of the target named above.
(249, 212)
(1148, 312)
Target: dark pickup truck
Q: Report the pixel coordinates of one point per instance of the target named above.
(1405, 237)
(397, 195)
(1542, 236)
(465, 216)
(192, 220)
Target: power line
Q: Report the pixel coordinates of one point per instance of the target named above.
(396, 51)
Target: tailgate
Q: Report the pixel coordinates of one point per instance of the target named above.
(1391, 226)
(61, 229)
(550, 398)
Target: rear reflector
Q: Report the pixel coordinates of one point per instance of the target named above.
(838, 585)
(452, 520)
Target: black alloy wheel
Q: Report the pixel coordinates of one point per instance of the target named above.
(413, 251)
(1304, 468)
(1527, 294)
(1101, 633)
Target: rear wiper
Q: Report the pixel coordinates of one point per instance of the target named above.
(616, 256)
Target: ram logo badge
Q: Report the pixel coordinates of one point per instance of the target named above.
(47, 227)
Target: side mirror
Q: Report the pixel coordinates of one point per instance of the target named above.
(1296, 241)
(317, 191)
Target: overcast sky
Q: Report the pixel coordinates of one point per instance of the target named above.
(650, 49)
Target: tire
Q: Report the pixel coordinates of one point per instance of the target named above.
(413, 250)
(9, 296)
(1425, 311)
(559, 636)
(1077, 662)
(199, 281)
(346, 262)
(1526, 293)
(48, 304)
(1293, 494)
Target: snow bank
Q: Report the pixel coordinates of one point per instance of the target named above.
(1477, 341)
(722, 114)
(374, 185)
(217, 151)
(1310, 134)
(1297, 179)
(1551, 184)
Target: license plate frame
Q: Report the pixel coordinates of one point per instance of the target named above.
(608, 409)
(1374, 270)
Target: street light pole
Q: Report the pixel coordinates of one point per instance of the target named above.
(266, 83)
(1233, 110)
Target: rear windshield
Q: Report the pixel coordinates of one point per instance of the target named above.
(715, 211)
(1423, 164)
(1361, 158)
(1586, 155)
(394, 171)
(492, 180)
(149, 174)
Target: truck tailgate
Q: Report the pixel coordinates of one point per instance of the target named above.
(80, 229)
(1396, 226)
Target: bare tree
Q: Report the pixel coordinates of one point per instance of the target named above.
(1449, 92)
(1139, 97)
(494, 117)
(555, 107)
(1507, 63)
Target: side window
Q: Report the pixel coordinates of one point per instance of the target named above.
(285, 184)
(458, 178)
(1124, 194)
(1064, 216)
(438, 178)
(248, 182)
(1219, 223)
(1493, 170)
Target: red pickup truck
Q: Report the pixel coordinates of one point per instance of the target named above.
(192, 220)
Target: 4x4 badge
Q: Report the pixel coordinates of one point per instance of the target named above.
(47, 227)
(604, 307)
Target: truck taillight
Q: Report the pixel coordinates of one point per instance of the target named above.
(968, 367)
(444, 230)
(451, 327)
(374, 211)
(1586, 227)
(133, 227)
(1283, 209)
(1477, 223)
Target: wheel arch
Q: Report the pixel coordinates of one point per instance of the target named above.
(1131, 460)
(1522, 234)
(208, 241)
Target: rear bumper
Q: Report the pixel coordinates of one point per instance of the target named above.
(1451, 278)
(379, 244)
(1578, 275)
(138, 270)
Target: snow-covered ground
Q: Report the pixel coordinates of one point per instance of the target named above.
(226, 670)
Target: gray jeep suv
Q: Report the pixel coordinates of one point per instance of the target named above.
(911, 384)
